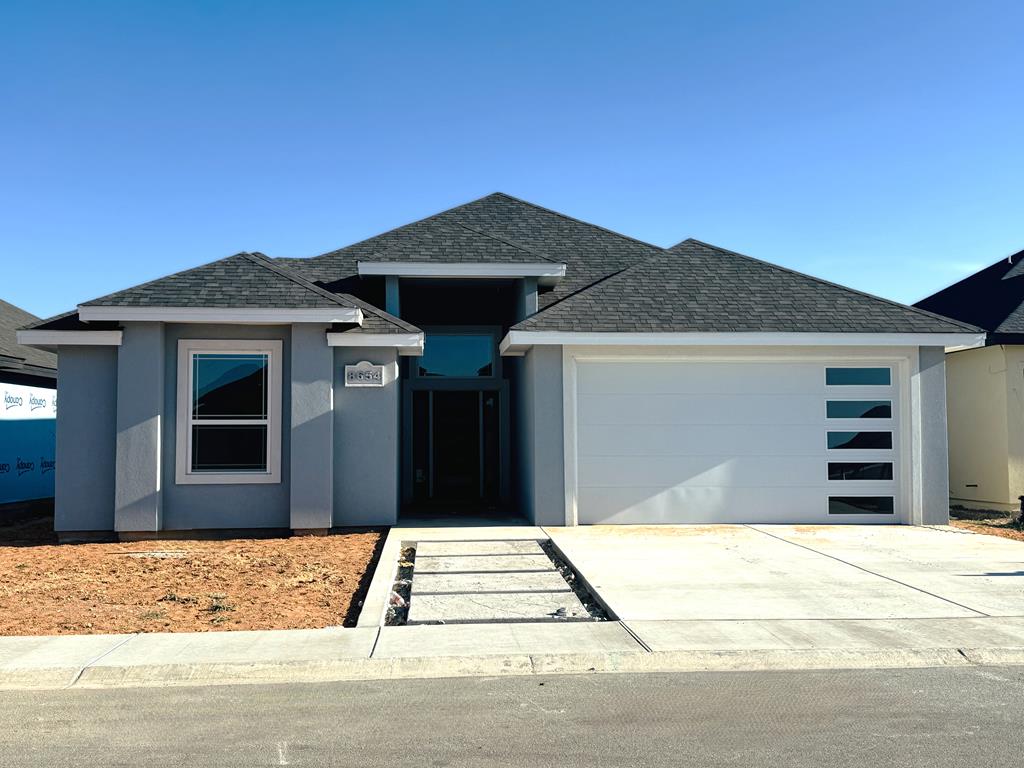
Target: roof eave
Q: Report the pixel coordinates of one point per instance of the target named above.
(517, 343)
(230, 315)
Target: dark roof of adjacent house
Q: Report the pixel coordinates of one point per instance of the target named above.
(992, 299)
(696, 287)
(14, 356)
(242, 280)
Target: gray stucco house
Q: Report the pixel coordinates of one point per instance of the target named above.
(497, 356)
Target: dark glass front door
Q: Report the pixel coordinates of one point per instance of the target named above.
(456, 458)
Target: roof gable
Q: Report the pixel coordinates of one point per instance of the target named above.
(696, 287)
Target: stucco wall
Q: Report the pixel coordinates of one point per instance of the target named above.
(976, 395)
(930, 418)
(1014, 377)
(366, 442)
(312, 438)
(86, 427)
(542, 452)
(223, 506)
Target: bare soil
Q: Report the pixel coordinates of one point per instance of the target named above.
(990, 522)
(180, 586)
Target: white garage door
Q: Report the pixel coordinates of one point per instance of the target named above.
(737, 442)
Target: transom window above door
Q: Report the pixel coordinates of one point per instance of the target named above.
(457, 355)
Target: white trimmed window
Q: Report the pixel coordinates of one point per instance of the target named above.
(229, 411)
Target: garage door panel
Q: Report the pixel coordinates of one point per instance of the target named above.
(705, 442)
(700, 378)
(702, 471)
(653, 505)
(744, 409)
(665, 439)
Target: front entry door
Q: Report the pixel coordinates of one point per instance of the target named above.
(456, 439)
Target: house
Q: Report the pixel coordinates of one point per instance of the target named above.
(497, 356)
(28, 378)
(985, 387)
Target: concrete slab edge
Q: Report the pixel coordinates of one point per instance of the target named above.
(375, 604)
(339, 670)
(598, 597)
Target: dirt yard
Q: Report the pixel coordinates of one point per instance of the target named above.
(993, 523)
(179, 586)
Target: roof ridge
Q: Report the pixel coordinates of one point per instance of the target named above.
(597, 283)
(158, 279)
(506, 241)
(400, 226)
(573, 219)
(264, 261)
(822, 281)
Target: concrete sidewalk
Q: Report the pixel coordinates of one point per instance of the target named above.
(382, 653)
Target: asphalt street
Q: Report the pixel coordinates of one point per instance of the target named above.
(952, 717)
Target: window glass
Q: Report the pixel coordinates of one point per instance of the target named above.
(229, 447)
(860, 505)
(858, 377)
(860, 470)
(229, 386)
(458, 355)
(859, 441)
(859, 409)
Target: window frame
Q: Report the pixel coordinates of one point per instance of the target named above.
(187, 348)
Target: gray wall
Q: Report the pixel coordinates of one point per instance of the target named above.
(140, 390)
(931, 442)
(541, 447)
(312, 459)
(366, 443)
(264, 505)
(86, 429)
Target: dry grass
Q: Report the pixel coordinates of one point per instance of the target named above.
(179, 586)
(991, 522)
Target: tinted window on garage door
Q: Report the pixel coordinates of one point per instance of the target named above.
(858, 377)
(859, 409)
(860, 505)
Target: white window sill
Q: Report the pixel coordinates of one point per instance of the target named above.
(226, 478)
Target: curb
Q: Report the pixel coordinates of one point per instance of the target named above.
(340, 670)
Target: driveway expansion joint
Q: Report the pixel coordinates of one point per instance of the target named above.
(981, 614)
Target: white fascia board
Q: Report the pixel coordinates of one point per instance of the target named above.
(516, 342)
(254, 315)
(545, 272)
(42, 338)
(407, 343)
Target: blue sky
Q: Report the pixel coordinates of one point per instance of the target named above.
(876, 144)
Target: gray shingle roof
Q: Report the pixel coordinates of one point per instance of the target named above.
(13, 354)
(589, 252)
(242, 280)
(698, 287)
(376, 320)
(992, 298)
(456, 243)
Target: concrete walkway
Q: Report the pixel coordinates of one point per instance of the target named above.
(686, 599)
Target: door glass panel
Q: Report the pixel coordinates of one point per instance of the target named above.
(858, 409)
(421, 459)
(457, 355)
(456, 432)
(491, 442)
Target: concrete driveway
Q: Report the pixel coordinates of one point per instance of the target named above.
(690, 587)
